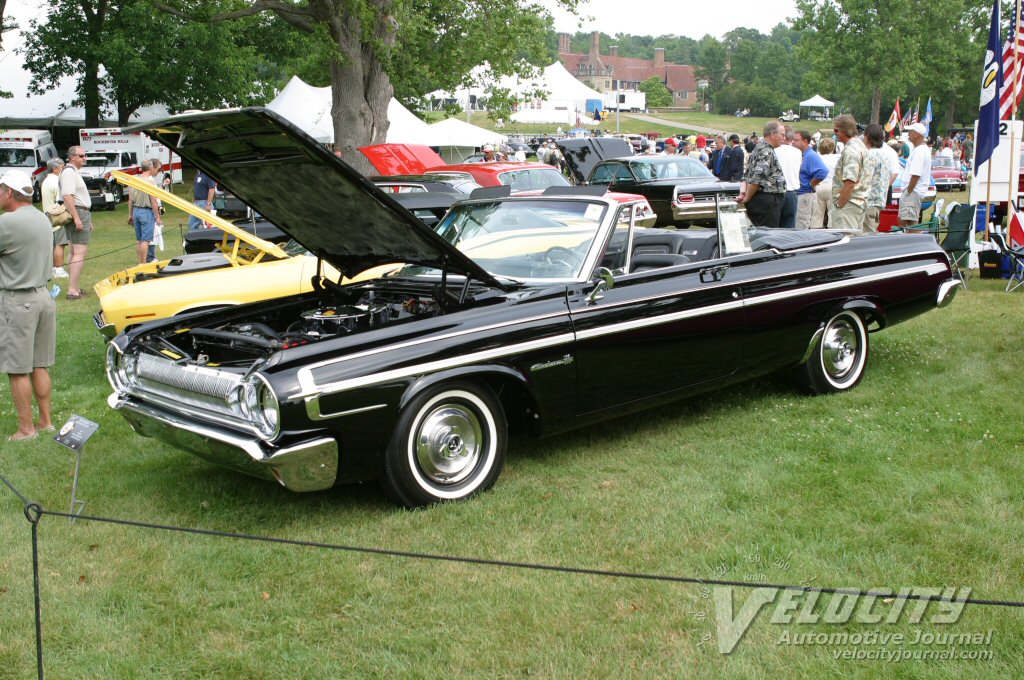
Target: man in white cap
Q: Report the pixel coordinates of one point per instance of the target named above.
(917, 175)
(489, 153)
(28, 338)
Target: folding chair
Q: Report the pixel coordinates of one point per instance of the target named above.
(957, 241)
(1016, 254)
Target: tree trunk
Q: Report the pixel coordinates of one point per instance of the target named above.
(876, 104)
(360, 88)
(950, 111)
(91, 93)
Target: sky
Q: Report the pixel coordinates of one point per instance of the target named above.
(672, 17)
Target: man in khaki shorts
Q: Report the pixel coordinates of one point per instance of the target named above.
(28, 315)
(917, 175)
(849, 182)
(78, 203)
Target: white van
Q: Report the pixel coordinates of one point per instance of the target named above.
(28, 151)
(109, 149)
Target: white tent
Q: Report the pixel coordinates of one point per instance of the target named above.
(457, 139)
(818, 100)
(560, 116)
(562, 90)
(309, 108)
(53, 108)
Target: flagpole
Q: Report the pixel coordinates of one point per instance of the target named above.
(1014, 151)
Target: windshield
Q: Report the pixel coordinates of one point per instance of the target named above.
(17, 158)
(542, 240)
(943, 162)
(530, 179)
(669, 167)
(100, 160)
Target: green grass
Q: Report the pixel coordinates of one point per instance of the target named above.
(912, 479)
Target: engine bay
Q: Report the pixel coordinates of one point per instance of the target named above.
(312, 319)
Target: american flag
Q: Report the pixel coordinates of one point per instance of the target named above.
(1013, 73)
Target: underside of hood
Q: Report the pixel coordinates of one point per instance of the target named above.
(313, 196)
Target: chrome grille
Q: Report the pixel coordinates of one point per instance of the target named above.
(190, 388)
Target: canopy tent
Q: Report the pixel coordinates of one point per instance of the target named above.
(457, 139)
(309, 108)
(54, 107)
(560, 116)
(818, 102)
(563, 92)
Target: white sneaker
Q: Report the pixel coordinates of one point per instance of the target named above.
(59, 273)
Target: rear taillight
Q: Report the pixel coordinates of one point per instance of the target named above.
(684, 198)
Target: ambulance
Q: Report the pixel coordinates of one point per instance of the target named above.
(108, 149)
(28, 151)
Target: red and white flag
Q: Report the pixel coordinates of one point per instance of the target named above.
(1013, 71)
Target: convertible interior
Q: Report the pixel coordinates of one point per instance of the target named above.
(657, 248)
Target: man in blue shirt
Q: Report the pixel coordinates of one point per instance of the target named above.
(812, 172)
(202, 195)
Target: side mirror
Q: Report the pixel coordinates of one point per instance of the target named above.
(605, 281)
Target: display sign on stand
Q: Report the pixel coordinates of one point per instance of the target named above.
(1005, 164)
(73, 434)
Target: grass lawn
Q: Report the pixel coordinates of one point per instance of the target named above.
(912, 479)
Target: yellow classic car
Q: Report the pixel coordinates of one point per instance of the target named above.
(245, 269)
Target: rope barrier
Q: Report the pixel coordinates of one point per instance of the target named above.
(34, 513)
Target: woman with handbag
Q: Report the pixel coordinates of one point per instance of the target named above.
(50, 190)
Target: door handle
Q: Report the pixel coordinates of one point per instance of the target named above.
(711, 274)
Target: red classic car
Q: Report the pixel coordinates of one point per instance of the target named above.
(519, 176)
(947, 175)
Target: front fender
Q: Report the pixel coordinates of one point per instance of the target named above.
(512, 388)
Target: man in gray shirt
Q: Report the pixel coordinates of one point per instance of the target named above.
(28, 337)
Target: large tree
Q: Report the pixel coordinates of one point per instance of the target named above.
(127, 55)
(419, 45)
(870, 50)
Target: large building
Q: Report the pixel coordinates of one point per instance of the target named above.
(610, 72)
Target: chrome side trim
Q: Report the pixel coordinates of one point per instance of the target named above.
(437, 338)
(310, 390)
(947, 291)
(314, 412)
(821, 287)
(658, 320)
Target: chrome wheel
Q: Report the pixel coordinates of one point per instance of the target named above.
(839, 357)
(839, 351)
(448, 443)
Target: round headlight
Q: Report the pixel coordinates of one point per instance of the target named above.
(121, 368)
(114, 357)
(260, 407)
(269, 410)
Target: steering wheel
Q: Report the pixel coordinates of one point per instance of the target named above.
(564, 257)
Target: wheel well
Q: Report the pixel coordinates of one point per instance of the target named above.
(521, 408)
(873, 313)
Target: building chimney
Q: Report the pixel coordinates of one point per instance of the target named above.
(595, 42)
(564, 43)
(614, 50)
(659, 57)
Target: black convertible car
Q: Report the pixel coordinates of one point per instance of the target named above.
(681, 190)
(539, 313)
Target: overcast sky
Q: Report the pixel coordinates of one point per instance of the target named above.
(672, 17)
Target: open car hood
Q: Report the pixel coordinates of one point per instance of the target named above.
(311, 195)
(401, 159)
(582, 155)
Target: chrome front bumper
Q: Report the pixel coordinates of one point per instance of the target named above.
(309, 466)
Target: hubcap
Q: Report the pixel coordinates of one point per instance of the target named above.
(840, 346)
(448, 443)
